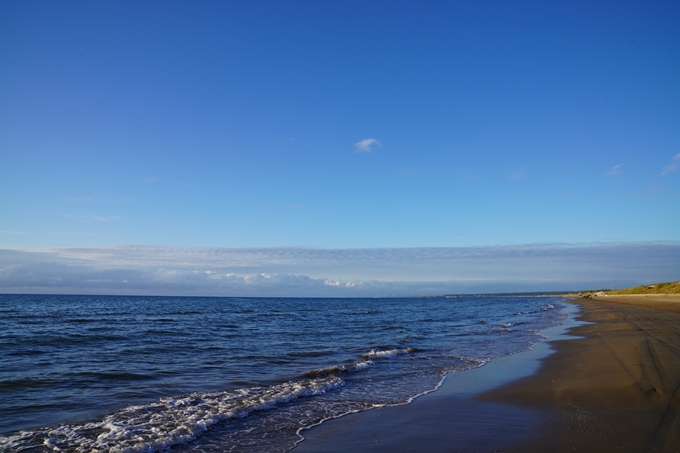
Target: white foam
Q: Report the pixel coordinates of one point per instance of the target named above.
(384, 354)
(168, 421)
(363, 365)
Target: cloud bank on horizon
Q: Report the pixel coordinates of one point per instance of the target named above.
(298, 272)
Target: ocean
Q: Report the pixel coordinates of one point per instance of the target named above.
(185, 374)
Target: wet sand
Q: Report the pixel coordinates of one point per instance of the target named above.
(612, 384)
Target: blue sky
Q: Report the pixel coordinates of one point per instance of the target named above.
(339, 125)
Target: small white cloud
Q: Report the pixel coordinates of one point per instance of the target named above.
(364, 146)
(675, 162)
(615, 170)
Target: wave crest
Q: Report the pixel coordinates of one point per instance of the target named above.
(340, 369)
(385, 354)
(168, 421)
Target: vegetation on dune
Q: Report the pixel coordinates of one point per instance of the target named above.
(657, 288)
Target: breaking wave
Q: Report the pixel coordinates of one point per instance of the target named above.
(168, 421)
(388, 353)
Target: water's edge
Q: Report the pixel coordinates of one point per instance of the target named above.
(455, 382)
(191, 364)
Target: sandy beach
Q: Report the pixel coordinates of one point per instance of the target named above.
(611, 384)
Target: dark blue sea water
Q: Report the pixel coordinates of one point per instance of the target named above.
(143, 374)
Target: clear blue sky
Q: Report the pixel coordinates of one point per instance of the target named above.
(248, 124)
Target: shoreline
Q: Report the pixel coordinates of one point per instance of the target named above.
(610, 381)
(428, 423)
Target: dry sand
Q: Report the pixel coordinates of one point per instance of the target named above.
(616, 387)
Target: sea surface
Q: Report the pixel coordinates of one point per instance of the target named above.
(183, 374)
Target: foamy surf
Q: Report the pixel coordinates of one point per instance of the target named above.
(166, 422)
(373, 354)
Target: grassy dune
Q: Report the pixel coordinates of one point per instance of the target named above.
(658, 288)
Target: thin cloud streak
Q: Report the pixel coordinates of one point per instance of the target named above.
(305, 272)
(649, 191)
(92, 218)
(520, 174)
(675, 162)
(615, 170)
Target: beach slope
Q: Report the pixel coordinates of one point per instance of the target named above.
(615, 389)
